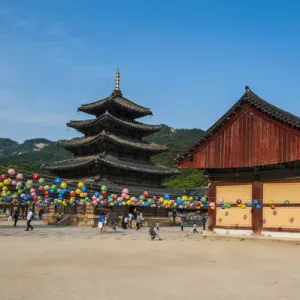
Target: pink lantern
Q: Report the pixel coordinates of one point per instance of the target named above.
(19, 184)
(154, 198)
(124, 195)
(19, 176)
(33, 194)
(125, 191)
(30, 182)
(212, 204)
(22, 196)
(32, 190)
(94, 198)
(11, 172)
(41, 188)
(221, 200)
(14, 182)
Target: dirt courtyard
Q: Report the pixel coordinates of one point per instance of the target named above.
(130, 266)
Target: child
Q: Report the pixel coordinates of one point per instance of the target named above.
(195, 228)
(114, 225)
(157, 225)
(152, 232)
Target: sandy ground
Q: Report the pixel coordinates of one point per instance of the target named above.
(80, 264)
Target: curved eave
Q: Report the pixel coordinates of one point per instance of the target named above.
(69, 164)
(103, 136)
(83, 126)
(120, 102)
(113, 162)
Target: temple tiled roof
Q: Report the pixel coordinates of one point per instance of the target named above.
(94, 124)
(117, 100)
(104, 136)
(252, 99)
(68, 164)
(110, 161)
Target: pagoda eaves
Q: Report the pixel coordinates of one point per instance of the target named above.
(108, 120)
(116, 102)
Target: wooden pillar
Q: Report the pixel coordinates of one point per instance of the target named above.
(212, 213)
(257, 214)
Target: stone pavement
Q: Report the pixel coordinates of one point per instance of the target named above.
(40, 229)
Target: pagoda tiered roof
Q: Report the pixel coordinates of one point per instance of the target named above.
(112, 162)
(108, 119)
(103, 136)
(116, 102)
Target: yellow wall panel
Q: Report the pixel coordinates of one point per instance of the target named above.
(278, 192)
(234, 216)
(230, 193)
(282, 217)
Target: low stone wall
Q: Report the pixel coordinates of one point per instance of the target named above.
(91, 220)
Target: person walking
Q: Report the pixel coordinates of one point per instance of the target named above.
(157, 225)
(203, 221)
(105, 222)
(130, 217)
(126, 222)
(29, 219)
(16, 217)
(138, 222)
(181, 224)
(195, 228)
(101, 223)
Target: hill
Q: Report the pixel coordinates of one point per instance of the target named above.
(31, 154)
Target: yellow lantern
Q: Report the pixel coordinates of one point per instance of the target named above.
(63, 185)
(80, 184)
(270, 202)
(6, 181)
(243, 206)
(78, 192)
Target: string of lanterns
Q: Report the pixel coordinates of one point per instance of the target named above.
(16, 189)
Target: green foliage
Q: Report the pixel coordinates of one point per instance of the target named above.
(177, 140)
(26, 157)
(188, 178)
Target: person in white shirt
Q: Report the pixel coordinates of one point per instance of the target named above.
(195, 228)
(126, 220)
(29, 219)
(130, 217)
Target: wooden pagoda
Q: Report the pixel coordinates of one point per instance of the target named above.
(112, 150)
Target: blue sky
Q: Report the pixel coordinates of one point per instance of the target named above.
(189, 61)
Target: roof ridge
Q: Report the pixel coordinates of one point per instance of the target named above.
(254, 100)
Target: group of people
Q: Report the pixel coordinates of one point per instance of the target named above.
(15, 215)
(203, 222)
(103, 222)
(127, 220)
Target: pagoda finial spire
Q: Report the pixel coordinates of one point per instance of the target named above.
(117, 87)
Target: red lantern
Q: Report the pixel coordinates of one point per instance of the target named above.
(103, 193)
(35, 198)
(146, 194)
(36, 176)
(3, 176)
(273, 207)
(41, 188)
(238, 201)
(154, 198)
(73, 194)
(115, 197)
